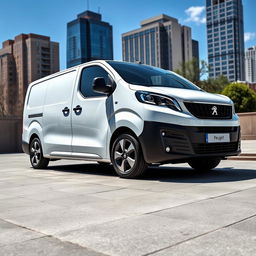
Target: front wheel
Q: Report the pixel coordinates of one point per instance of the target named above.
(204, 164)
(36, 155)
(127, 157)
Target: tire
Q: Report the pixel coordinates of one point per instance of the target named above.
(37, 159)
(127, 157)
(204, 164)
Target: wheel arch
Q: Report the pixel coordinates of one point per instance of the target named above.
(119, 131)
(34, 135)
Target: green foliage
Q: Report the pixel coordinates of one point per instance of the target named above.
(214, 85)
(243, 97)
(192, 70)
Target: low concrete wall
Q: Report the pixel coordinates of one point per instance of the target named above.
(10, 135)
(11, 132)
(248, 125)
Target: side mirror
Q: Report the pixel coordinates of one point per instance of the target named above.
(99, 85)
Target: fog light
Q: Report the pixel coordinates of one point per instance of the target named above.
(167, 149)
(163, 134)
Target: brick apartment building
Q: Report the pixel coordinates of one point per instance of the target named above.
(23, 60)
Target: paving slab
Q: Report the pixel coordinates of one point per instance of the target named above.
(81, 208)
(11, 233)
(235, 240)
(46, 246)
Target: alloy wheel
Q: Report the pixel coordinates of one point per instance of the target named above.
(35, 153)
(125, 155)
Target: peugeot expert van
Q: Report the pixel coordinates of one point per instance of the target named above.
(130, 115)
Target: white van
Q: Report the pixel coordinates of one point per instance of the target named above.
(127, 114)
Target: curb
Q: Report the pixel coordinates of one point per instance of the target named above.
(244, 157)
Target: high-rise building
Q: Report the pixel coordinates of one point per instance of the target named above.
(225, 35)
(23, 60)
(250, 65)
(88, 38)
(161, 41)
(195, 55)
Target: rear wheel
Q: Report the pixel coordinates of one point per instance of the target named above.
(204, 164)
(127, 157)
(36, 155)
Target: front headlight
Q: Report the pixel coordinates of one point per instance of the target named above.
(233, 108)
(158, 100)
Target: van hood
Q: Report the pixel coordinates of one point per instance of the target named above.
(185, 94)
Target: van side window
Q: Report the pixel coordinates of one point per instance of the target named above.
(88, 75)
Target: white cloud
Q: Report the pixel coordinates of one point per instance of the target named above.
(196, 14)
(248, 36)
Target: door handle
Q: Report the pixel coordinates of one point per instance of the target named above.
(78, 109)
(65, 111)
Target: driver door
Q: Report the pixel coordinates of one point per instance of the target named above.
(89, 118)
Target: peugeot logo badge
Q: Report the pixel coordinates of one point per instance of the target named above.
(214, 111)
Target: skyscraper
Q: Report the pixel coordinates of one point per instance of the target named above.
(225, 35)
(88, 38)
(23, 60)
(250, 65)
(161, 41)
(195, 55)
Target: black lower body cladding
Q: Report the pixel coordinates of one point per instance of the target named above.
(162, 142)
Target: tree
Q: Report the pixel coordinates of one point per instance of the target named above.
(195, 72)
(214, 85)
(192, 70)
(243, 97)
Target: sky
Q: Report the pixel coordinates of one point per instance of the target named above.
(50, 17)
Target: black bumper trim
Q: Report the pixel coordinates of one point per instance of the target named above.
(25, 147)
(185, 142)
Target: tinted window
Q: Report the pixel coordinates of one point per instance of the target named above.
(88, 75)
(150, 76)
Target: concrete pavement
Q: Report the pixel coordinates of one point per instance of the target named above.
(248, 146)
(78, 208)
(248, 151)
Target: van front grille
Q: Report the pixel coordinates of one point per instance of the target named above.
(217, 129)
(209, 111)
(212, 148)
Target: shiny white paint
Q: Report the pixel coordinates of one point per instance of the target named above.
(88, 135)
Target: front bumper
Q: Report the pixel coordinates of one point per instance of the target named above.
(25, 147)
(185, 142)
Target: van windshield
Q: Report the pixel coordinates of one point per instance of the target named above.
(139, 74)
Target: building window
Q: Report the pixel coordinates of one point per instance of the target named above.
(147, 49)
(142, 48)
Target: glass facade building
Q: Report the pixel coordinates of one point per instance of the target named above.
(250, 65)
(225, 39)
(88, 38)
(161, 41)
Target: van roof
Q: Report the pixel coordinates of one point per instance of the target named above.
(68, 70)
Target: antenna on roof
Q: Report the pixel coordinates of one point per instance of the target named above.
(88, 5)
